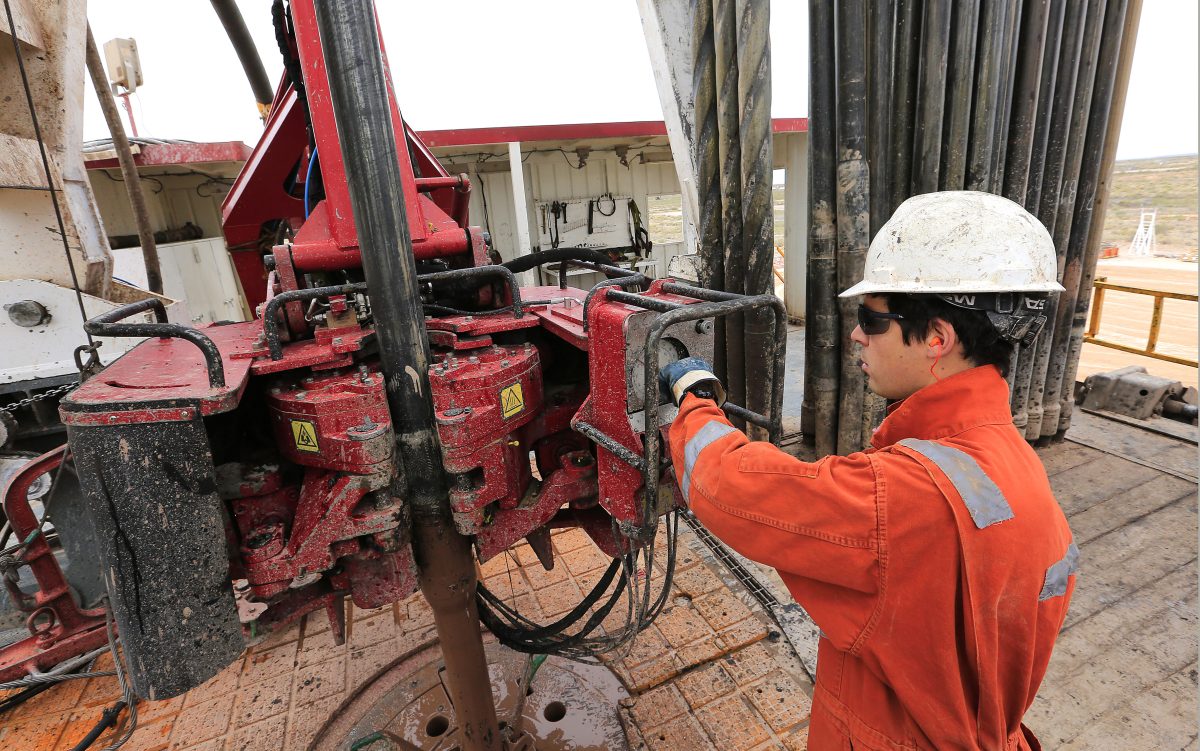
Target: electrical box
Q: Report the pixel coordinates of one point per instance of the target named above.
(124, 67)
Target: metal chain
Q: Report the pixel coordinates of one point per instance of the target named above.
(10, 408)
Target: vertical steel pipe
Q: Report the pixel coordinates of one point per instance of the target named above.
(1070, 252)
(729, 151)
(1048, 80)
(1008, 65)
(758, 204)
(960, 80)
(710, 250)
(985, 107)
(359, 93)
(133, 183)
(883, 24)
(906, 63)
(882, 75)
(1056, 151)
(931, 97)
(1030, 48)
(853, 207)
(1045, 105)
(1108, 109)
(822, 336)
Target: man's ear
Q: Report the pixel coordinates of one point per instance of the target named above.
(941, 338)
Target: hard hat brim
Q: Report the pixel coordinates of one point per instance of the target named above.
(866, 287)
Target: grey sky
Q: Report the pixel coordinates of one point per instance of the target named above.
(477, 63)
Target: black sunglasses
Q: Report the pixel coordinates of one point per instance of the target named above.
(873, 322)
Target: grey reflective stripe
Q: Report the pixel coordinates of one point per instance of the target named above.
(691, 452)
(984, 500)
(1057, 574)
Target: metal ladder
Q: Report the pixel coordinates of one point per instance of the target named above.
(1144, 241)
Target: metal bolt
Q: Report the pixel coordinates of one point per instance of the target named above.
(473, 360)
(504, 363)
(337, 341)
(703, 326)
(28, 313)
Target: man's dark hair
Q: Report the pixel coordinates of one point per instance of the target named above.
(982, 345)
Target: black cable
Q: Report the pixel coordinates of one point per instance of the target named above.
(17, 699)
(37, 132)
(108, 718)
(599, 202)
(542, 257)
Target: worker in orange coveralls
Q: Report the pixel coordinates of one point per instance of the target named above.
(937, 564)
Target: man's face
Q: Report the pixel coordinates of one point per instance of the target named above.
(895, 370)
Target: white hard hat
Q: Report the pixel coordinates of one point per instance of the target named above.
(959, 241)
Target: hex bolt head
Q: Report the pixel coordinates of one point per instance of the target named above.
(703, 326)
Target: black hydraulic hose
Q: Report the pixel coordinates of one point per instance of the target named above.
(527, 262)
(243, 45)
(108, 718)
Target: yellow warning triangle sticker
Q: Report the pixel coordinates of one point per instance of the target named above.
(512, 400)
(304, 435)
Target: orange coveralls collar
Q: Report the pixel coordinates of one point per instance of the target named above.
(962, 401)
(937, 564)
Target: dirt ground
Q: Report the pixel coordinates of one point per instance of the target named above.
(1126, 318)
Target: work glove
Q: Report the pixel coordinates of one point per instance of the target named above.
(690, 375)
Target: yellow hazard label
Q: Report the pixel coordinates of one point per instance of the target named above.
(512, 400)
(304, 435)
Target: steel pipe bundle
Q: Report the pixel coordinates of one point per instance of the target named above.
(1016, 97)
(732, 93)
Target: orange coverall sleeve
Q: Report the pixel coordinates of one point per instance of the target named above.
(818, 524)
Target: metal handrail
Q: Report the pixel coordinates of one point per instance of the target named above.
(1101, 286)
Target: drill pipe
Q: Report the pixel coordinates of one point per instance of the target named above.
(822, 341)
(904, 97)
(931, 97)
(757, 205)
(729, 150)
(1071, 253)
(358, 88)
(987, 95)
(1064, 97)
(1089, 212)
(708, 165)
(960, 79)
(882, 22)
(853, 208)
(1008, 78)
(1024, 101)
(1048, 80)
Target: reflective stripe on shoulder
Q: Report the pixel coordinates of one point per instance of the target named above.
(1058, 573)
(983, 498)
(711, 431)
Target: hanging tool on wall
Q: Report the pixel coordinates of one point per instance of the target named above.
(641, 237)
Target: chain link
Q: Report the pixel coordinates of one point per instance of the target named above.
(10, 408)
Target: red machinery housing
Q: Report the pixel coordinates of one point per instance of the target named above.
(238, 475)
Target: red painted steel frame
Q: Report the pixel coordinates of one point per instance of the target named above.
(59, 628)
(325, 237)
